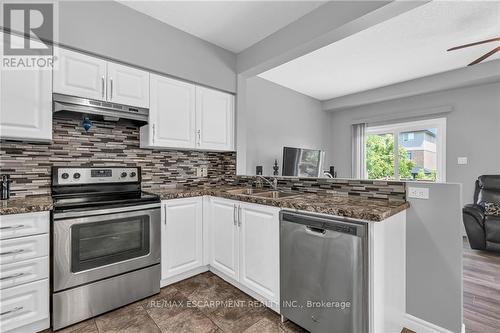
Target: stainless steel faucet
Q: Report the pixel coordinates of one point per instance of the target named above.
(274, 183)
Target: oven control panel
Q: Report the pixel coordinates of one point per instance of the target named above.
(71, 176)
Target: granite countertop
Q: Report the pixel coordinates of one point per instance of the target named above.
(352, 207)
(346, 206)
(25, 205)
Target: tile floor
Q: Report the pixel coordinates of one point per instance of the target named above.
(169, 310)
(189, 306)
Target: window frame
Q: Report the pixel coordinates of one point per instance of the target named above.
(397, 128)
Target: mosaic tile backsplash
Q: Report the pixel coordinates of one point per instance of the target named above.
(107, 144)
(117, 144)
(373, 189)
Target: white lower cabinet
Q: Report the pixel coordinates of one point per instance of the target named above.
(259, 249)
(24, 304)
(224, 240)
(23, 248)
(182, 237)
(24, 272)
(244, 246)
(238, 241)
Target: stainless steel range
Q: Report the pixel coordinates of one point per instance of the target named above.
(105, 242)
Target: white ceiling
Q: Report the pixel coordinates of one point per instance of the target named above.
(406, 47)
(232, 25)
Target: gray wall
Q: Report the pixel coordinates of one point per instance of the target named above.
(277, 117)
(113, 30)
(473, 130)
(434, 256)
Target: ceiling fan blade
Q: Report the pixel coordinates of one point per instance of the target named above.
(476, 43)
(478, 60)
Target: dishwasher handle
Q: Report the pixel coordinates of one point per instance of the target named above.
(318, 223)
(314, 230)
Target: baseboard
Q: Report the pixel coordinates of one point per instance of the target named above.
(421, 326)
(183, 276)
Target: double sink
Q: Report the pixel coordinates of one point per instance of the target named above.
(263, 193)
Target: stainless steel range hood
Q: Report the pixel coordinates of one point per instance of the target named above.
(107, 110)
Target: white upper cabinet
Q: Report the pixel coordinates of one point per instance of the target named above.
(25, 102)
(183, 115)
(127, 85)
(182, 236)
(214, 119)
(171, 114)
(259, 249)
(80, 75)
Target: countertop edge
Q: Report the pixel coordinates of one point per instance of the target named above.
(44, 203)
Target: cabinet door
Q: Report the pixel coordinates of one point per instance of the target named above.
(127, 85)
(224, 237)
(24, 304)
(172, 113)
(182, 236)
(259, 249)
(19, 225)
(25, 102)
(79, 75)
(23, 248)
(214, 119)
(21, 272)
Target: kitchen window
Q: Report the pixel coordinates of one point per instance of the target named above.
(406, 151)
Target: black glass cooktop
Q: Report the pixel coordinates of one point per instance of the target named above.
(98, 200)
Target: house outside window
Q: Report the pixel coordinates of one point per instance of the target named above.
(407, 151)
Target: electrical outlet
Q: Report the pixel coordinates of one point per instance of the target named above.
(199, 172)
(418, 192)
(462, 160)
(204, 172)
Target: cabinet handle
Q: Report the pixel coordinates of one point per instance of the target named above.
(12, 276)
(102, 86)
(154, 132)
(17, 308)
(199, 137)
(110, 88)
(239, 215)
(235, 218)
(12, 227)
(12, 252)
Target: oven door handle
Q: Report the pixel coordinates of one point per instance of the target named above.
(86, 213)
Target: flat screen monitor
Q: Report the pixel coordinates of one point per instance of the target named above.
(300, 162)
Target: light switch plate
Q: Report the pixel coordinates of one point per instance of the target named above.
(462, 160)
(418, 192)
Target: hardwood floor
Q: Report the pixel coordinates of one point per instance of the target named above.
(481, 279)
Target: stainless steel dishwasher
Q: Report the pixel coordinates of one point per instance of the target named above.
(324, 272)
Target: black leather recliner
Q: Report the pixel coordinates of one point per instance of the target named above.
(483, 230)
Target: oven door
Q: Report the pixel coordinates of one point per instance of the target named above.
(94, 245)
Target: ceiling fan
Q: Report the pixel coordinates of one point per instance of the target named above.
(478, 60)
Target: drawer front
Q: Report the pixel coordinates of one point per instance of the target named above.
(18, 225)
(23, 248)
(25, 271)
(23, 305)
